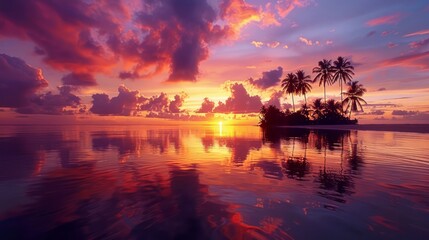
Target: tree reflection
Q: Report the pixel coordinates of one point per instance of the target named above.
(334, 180)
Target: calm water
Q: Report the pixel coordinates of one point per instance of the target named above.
(139, 182)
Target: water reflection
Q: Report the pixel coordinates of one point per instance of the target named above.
(199, 183)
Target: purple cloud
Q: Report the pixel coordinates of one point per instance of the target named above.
(18, 81)
(65, 102)
(79, 79)
(268, 79)
(275, 99)
(125, 104)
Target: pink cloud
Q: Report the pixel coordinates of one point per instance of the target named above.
(420, 60)
(418, 33)
(390, 19)
(419, 44)
(274, 44)
(392, 45)
(307, 42)
(286, 7)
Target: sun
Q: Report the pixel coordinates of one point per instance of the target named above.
(220, 124)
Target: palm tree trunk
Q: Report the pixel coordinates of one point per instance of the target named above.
(324, 90)
(305, 99)
(293, 103)
(341, 94)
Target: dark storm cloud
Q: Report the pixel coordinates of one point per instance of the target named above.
(125, 104)
(91, 36)
(18, 81)
(158, 103)
(65, 102)
(268, 79)
(177, 34)
(65, 32)
(240, 101)
(79, 79)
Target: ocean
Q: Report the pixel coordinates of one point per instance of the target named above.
(212, 182)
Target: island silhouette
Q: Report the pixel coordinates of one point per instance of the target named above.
(326, 112)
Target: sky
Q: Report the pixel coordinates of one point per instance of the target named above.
(198, 60)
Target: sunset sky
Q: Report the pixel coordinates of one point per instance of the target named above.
(195, 59)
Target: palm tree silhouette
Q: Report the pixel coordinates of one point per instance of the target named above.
(303, 85)
(324, 74)
(317, 107)
(333, 106)
(343, 71)
(289, 85)
(353, 99)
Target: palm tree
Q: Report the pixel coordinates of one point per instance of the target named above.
(289, 85)
(343, 71)
(353, 97)
(324, 74)
(317, 107)
(303, 85)
(333, 107)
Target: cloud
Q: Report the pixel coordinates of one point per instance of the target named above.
(404, 113)
(392, 45)
(238, 13)
(372, 33)
(414, 60)
(18, 81)
(158, 103)
(177, 103)
(418, 33)
(419, 44)
(206, 106)
(79, 79)
(66, 33)
(390, 19)
(274, 44)
(92, 36)
(381, 89)
(65, 102)
(125, 104)
(285, 7)
(376, 112)
(268, 79)
(382, 105)
(412, 115)
(307, 42)
(275, 99)
(257, 44)
(239, 102)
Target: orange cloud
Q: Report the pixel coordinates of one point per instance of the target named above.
(257, 44)
(238, 13)
(390, 19)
